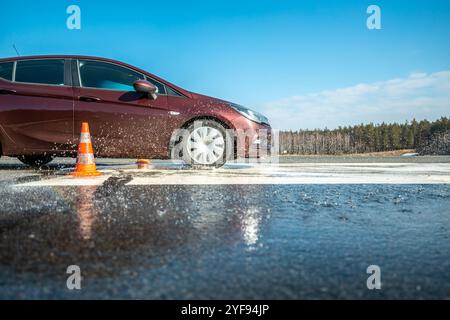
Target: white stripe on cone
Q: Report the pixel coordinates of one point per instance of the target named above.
(85, 158)
(85, 137)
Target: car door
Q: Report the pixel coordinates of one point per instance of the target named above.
(36, 106)
(123, 122)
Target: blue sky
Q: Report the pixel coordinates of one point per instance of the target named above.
(285, 58)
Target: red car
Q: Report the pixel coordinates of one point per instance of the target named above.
(131, 113)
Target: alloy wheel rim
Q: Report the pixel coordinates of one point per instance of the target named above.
(205, 145)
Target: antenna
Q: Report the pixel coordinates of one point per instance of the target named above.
(17, 52)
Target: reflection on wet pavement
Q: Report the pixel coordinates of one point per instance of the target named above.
(85, 210)
(224, 241)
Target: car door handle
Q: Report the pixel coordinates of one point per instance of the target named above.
(7, 91)
(89, 99)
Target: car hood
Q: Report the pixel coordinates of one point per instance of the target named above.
(219, 102)
(209, 99)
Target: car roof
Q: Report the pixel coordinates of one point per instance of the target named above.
(62, 56)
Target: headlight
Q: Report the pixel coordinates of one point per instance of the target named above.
(250, 114)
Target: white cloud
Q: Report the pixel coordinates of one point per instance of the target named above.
(420, 96)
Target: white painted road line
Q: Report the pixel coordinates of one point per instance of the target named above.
(300, 173)
(67, 181)
(299, 179)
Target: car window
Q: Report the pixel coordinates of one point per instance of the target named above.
(48, 71)
(172, 92)
(104, 75)
(6, 70)
(159, 85)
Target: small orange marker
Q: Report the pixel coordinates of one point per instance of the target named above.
(143, 163)
(85, 158)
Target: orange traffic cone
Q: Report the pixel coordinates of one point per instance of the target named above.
(85, 159)
(143, 163)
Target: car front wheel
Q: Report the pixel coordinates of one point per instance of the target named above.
(203, 144)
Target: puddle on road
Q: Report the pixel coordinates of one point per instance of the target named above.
(262, 241)
(222, 241)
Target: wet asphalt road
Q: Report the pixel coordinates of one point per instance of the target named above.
(221, 241)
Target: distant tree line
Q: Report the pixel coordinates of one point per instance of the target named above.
(439, 144)
(424, 136)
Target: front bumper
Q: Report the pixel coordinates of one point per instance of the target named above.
(253, 141)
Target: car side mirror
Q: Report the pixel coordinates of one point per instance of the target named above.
(147, 88)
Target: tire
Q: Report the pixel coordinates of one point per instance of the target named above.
(203, 144)
(35, 161)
